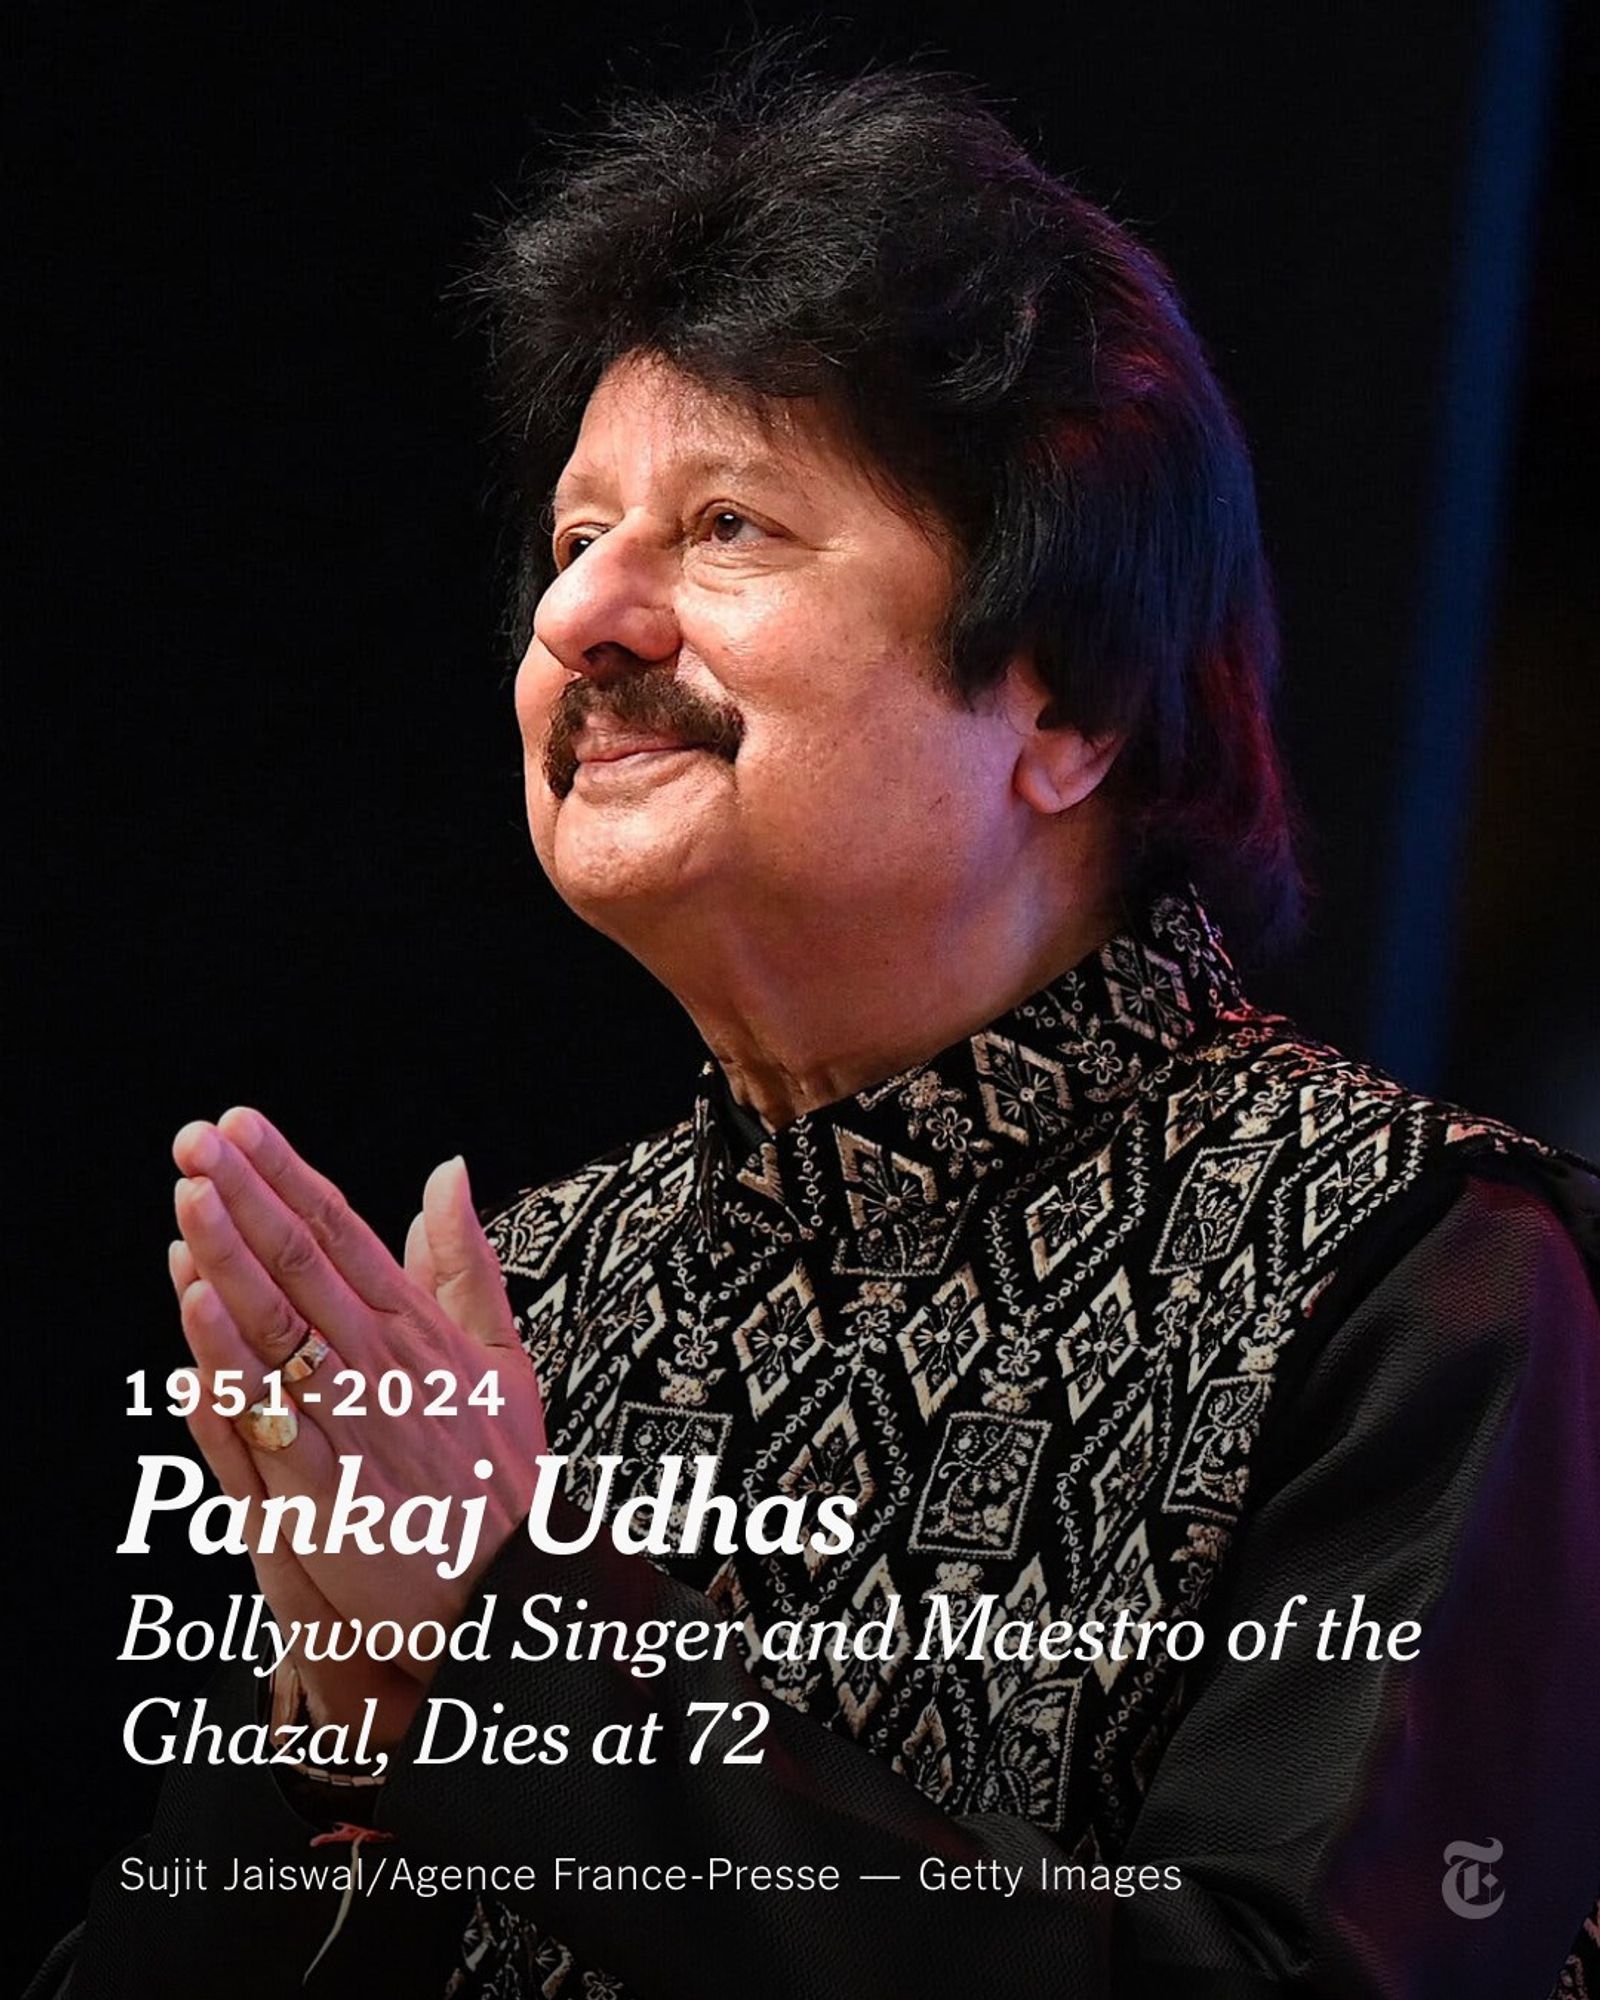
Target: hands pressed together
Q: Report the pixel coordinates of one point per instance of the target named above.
(270, 1250)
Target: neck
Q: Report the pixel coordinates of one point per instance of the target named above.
(819, 1017)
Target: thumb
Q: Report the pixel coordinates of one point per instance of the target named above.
(466, 1273)
(418, 1258)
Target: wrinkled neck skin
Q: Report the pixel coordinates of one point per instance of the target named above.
(804, 1006)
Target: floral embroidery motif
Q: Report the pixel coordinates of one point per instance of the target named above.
(978, 1491)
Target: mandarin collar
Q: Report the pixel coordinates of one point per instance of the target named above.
(889, 1174)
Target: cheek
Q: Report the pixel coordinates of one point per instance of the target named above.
(872, 793)
(851, 707)
(538, 686)
(531, 695)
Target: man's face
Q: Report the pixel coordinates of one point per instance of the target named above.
(732, 706)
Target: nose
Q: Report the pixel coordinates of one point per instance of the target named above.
(608, 613)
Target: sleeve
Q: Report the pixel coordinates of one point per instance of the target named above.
(1439, 1458)
(226, 1896)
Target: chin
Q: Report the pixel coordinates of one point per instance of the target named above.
(622, 874)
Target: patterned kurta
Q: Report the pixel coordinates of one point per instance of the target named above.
(1028, 1304)
(1134, 1300)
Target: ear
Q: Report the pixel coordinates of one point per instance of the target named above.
(1057, 766)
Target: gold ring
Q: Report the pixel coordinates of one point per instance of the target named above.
(307, 1358)
(265, 1429)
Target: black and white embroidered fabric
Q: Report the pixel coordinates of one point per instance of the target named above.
(1134, 1300)
(1028, 1304)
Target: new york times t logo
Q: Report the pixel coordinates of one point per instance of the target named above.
(1467, 1887)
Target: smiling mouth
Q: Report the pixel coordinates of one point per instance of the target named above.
(626, 751)
(627, 768)
(642, 722)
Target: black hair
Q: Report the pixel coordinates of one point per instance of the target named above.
(1000, 351)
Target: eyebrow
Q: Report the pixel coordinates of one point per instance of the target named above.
(573, 491)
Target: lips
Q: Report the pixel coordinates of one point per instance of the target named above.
(606, 747)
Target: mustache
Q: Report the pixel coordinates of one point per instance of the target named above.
(654, 701)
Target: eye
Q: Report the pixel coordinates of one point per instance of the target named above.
(570, 546)
(724, 525)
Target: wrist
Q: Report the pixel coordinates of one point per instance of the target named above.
(332, 1729)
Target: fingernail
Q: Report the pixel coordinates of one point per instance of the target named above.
(244, 1126)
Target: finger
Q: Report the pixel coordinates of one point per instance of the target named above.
(356, 1251)
(419, 1258)
(468, 1284)
(269, 1262)
(215, 1342)
(304, 1466)
(260, 1308)
(181, 1266)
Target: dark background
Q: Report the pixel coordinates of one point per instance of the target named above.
(269, 841)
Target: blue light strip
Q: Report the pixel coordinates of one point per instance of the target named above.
(1409, 1014)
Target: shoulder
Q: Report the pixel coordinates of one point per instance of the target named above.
(1495, 1276)
(1301, 1088)
(1339, 1153)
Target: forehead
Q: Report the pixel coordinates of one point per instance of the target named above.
(648, 423)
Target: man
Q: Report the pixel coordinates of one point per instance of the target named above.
(896, 691)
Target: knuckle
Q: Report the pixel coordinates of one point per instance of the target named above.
(421, 1331)
(328, 1215)
(283, 1326)
(222, 1253)
(298, 1251)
